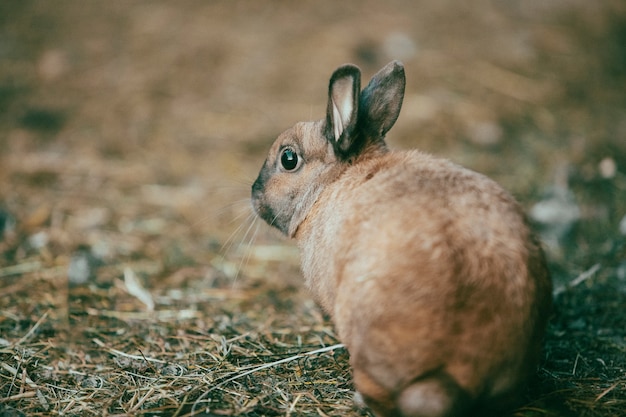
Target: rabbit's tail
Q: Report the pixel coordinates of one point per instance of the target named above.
(435, 394)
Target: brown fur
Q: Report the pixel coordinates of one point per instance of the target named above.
(429, 270)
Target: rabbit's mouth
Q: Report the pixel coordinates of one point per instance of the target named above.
(264, 210)
(267, 214)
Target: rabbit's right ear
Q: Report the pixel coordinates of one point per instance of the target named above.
(343, 107)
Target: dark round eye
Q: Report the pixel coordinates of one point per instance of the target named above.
(289, 159)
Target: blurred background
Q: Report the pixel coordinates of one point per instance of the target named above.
(115, 114)
(131, 131)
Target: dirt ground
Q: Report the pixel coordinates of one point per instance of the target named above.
(133, 278)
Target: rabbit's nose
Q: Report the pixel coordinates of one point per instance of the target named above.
(257, 188)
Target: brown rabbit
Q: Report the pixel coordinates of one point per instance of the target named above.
(434, 281)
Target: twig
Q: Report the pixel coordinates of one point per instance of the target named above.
(606, 391)
(127, 355)
(25, 394)
(134, 287)
(578, 280)
(20, 268)
(261, 367)
(508, 82)
(143, 399)
(14, 372)
(32, 329)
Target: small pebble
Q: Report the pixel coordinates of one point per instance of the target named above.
(81, 268)
(400, 46)
(39, 240)
(607, 168)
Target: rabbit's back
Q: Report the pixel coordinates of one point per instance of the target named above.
(431, 267)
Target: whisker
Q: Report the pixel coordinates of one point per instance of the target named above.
(240, 207)
(248, 253)
(243, 206)
(246, 234)
(239, 186)
(245, 181)
(246, 216)
(228, 243)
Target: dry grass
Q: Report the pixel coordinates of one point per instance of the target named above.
(236, 351)
(175, 360)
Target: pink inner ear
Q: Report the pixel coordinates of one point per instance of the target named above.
(343, 103)
(337, 122)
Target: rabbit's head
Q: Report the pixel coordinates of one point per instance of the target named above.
(310, 155)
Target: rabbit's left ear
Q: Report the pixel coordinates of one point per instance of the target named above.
(343, 108)
(381, 101)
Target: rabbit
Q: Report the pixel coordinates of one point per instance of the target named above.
(429, 271)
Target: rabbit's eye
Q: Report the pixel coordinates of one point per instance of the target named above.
(289, 159)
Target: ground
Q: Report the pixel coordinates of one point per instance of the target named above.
(133, 278)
